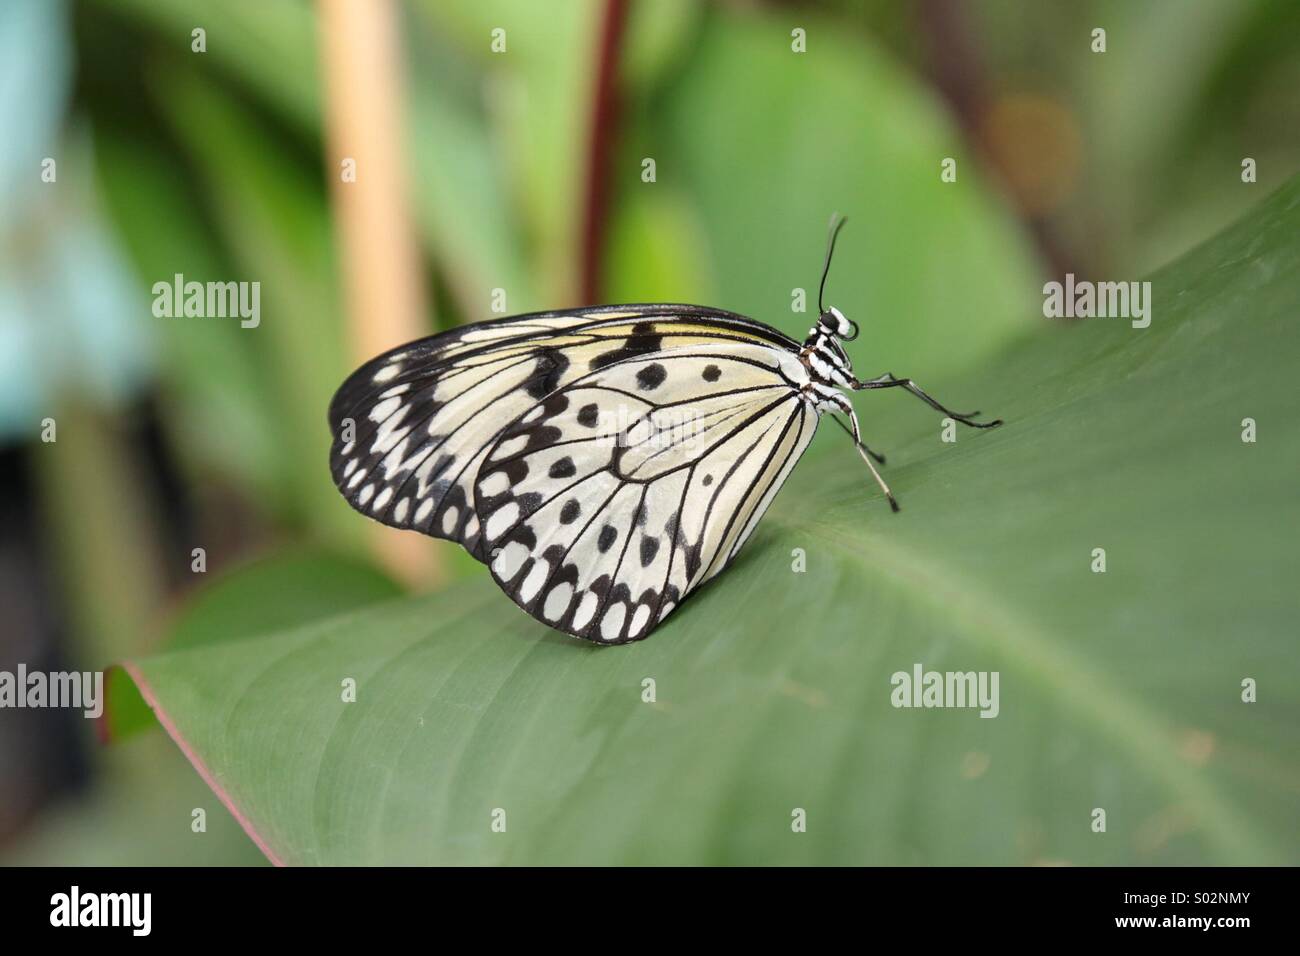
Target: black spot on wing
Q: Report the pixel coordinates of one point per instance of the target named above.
(589, 415)
(599, 587)
(544, 436)
(564, 468)
(642, 341)
(516, 470)
(649, 548)
(551, 366)
(570, 512)
(712, 373)
(672, 595)
(651, 377)
(673, 526)
(608, 535)
(692, 560)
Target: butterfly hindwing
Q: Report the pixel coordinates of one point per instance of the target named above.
(412, 427)
(607, 502)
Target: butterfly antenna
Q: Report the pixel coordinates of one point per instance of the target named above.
(837, 223)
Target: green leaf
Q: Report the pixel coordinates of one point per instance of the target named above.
(1118, 690)
(254, 600)
(277, 592)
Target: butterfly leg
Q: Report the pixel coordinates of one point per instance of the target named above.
(889, 381)
(880, 459)
(865, 452)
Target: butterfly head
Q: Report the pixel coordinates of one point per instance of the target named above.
(832, 322)
(822, 352)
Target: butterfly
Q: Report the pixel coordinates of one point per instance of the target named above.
(603, 462)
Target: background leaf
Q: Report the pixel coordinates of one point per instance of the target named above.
(1118, 690)
(141, 814)
(257, 599)
(276, 593)
(935, 274)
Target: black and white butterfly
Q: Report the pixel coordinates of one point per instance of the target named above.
(603, 462)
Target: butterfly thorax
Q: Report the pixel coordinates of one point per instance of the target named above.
(824, 357)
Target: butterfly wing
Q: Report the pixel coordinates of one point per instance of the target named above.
(411, 427)
(610, 500)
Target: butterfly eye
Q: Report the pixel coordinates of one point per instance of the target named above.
(839, 325)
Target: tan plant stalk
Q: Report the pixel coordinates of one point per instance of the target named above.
(383, 284)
